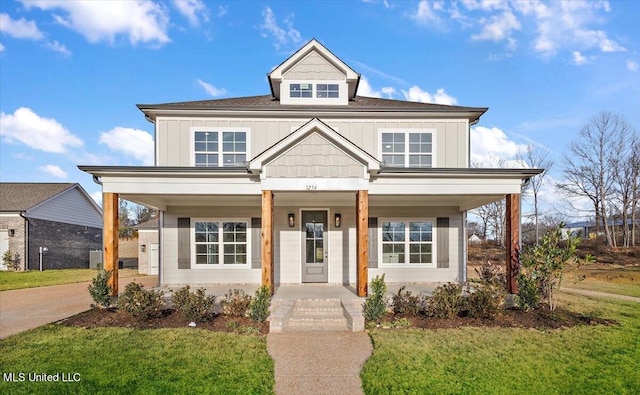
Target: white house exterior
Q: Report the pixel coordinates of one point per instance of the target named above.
(310, 184)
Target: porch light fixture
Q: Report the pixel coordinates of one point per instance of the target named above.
(338, 220)
(292, 220)
(143, 248)
(12, 232)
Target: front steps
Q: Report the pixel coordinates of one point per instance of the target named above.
(316, 315)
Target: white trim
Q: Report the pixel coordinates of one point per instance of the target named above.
(303, 245)
(220, 265)
(406, 152)
(315, 184)
(407, 242)
(9, 214)
(322, 51)
(220, 130)
(286, 99)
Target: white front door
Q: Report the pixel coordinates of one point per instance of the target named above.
(4, 247)
(153, 258)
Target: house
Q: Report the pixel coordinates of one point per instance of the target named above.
(474, 239)
(311, 183)
(148, 247)
(56, 223)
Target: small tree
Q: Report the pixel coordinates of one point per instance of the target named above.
(545, 262)
(259, 305)
(100, 289)
(376, 305)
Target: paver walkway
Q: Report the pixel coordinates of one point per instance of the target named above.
(24, 309)
(319, 362)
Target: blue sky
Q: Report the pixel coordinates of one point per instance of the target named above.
(71, 72)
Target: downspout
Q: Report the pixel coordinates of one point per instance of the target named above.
(26, 240)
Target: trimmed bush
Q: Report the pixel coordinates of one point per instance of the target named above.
(405, 303)
(445, 301)
(235, 303)
(528, 296)
(484, 302)
(375, 305)
(194, 306)
(259, 305)
(100, 289)
(141, 303)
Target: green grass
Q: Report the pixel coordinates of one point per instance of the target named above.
(579, 360)
(31, 279)
(130, 361)
(615, 279)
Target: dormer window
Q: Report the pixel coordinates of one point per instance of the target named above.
(301, 90)
(327, 90)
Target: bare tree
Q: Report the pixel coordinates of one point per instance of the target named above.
(589, 170)
(536, 157)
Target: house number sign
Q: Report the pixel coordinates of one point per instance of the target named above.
(312, 187)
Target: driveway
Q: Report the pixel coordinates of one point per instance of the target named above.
(24, 309)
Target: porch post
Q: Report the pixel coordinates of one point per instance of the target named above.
(267, 239)
(110, 238)
(513, 241)
(362, 241)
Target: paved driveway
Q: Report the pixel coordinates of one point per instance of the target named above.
(24, 309)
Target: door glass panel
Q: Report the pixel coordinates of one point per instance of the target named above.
(314, 237)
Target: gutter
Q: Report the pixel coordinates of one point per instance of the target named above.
(26, 240)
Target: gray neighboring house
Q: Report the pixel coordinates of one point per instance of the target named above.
(59, 216)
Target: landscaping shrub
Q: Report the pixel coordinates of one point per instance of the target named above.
(445, 301)
(141, 303)
(235, 303)
(484, 302)
(405, 303)
(375, 305)
(100, 289)
(492, 275)
(259, 305)
(528, 296)
(194, 306)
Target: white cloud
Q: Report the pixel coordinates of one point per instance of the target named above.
(210, 89)
(499, 28)
(579, 59)
(19, 28)
(193, 10)
(426, 12)
(389, 91)
(97, 197)
(44, 134)
(57, 47)
(100, 20)
(631, 65)
(283, 37)
(491, 145)
(54, 170)
(415, 93)
(132, 142)
(365, 89)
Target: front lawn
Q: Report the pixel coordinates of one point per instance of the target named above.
(130, 361)
(33, 278)
(609, 278)
(579, 360)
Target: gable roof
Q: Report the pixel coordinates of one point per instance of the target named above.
(21, 196)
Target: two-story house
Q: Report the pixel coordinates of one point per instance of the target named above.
(311, 183)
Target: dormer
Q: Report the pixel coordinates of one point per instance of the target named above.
(313, 76)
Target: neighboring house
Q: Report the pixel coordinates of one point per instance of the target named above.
(60, 217)
(148, 247)
(312, 184)
(475, 239)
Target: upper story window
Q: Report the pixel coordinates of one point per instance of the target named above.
(218, 148)
(327, 90)
(301, 90)
(407, 149)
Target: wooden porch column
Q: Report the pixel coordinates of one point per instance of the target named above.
(512, 239)
(362, 241)
(110, 238)
(267, 239)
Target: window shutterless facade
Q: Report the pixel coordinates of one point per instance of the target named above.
(327, 90)
(219, 147)
(301, 90)
(407, 148)
(220, 243)
(407, 242)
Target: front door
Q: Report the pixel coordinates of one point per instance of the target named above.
(153, 259)
(314, 234)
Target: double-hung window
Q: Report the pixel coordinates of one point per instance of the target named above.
(407, 148)
(221, 243)
(219, 148)
(407, 242)
(327, 90)
(301, 90)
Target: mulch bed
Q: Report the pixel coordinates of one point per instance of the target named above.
(99, 318)
(541, 319)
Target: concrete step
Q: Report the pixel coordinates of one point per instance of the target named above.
(317, 324)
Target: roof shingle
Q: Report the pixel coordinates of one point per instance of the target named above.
(21, 196)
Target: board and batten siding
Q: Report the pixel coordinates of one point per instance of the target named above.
(69, 207)
(173, 135)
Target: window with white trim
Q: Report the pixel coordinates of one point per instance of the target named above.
(301, 90)
(219, 148)
(328, 90)
(221, 243)
(407, 242)
(407, 148)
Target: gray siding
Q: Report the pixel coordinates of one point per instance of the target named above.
(313, 67)
(70, 207)
(315, 157)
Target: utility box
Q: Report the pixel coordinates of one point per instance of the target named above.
(95, 257)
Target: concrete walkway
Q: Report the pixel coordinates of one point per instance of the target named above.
(319, 362)
(586, 292)
(24, 309)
